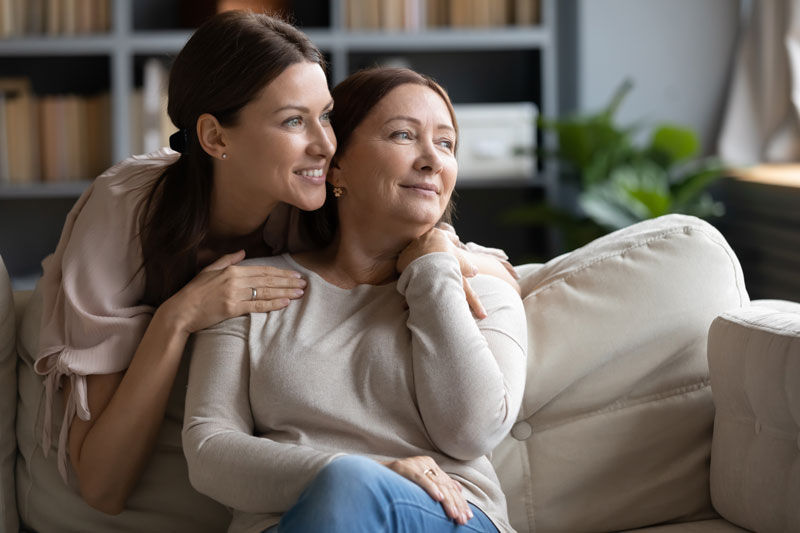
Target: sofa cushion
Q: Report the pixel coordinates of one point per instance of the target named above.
(8, 400)
(163, 499)
(754, 355)
(616, 423)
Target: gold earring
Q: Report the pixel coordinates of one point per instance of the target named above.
(338, 191)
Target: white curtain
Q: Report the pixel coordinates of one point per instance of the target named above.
(762, 118)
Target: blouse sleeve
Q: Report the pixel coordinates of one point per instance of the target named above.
(469, 375)
(226, 461)
(92, 286)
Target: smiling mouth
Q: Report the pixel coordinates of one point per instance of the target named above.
(310, 173)
(429, 188)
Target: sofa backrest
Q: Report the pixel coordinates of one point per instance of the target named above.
(616, 424)
(9, 520)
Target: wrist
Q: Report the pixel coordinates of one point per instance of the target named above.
(169, 317)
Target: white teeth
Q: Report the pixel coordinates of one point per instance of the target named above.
(311, 173)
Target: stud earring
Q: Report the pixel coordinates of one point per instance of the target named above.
(338, 191)
(224, 155)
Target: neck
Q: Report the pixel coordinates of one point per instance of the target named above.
(235, 211)
(361, 253)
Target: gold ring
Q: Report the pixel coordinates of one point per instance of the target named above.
(429, 471)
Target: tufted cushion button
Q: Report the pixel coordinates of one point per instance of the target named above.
(758, 427)
(521, 430)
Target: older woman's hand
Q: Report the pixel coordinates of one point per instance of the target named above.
(424, 471)
(438, 240)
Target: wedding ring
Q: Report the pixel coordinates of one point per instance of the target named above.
(429, 472)
(253, 294)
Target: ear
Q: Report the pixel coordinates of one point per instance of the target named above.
(335, 176)
(210, 135)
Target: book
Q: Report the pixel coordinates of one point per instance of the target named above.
(154, 104)
(4, 166)
(526, 12)
(20, 141)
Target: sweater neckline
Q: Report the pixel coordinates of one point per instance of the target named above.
(358, 289)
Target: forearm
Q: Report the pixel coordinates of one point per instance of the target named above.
(110, 451)
(468, 382)
(248, 473)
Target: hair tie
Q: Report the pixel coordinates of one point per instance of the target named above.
(179, 141)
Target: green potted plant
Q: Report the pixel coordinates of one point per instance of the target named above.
(617, 182)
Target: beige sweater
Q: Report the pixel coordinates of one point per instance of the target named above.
(273, 398)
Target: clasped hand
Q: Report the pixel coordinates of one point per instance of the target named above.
(438, 240)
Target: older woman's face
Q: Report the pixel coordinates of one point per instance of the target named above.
(399, 167)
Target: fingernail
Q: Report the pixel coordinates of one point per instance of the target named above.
(303, 282)
(298, 292)
(469, 513)
(296, 274)
(474, 270)
(439, 496)
(284, 302)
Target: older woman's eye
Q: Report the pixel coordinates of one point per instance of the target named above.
(446, 143)
(402, 135)
(294, 122)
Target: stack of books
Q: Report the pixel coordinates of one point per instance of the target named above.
(53, 17)
(51, 138)
(414, 15)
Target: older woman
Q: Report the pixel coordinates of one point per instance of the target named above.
(372, 403)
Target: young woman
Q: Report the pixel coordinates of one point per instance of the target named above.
(146, 255)
(372, 403)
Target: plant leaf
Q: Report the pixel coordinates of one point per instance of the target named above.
(672, 144)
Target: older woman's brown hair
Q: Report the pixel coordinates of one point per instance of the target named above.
(353, 99)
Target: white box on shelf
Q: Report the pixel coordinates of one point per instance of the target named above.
(496, 140)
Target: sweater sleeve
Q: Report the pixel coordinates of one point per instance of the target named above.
(469, 375)
(225, 460)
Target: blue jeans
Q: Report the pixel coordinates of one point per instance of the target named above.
(354, 494)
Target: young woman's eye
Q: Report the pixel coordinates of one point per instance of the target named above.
(326, 116)
(294, 122)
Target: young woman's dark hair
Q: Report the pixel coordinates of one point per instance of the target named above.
(353, 99)
(224, 66)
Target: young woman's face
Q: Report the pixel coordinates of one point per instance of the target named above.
(400, 167)
(283, 142)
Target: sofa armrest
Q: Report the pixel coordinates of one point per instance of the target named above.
(9, 520)
(754, 362)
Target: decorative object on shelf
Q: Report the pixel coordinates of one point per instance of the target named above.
(496, 141)
(610, 182)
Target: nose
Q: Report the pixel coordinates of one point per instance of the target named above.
(428, 159)
(322, 142)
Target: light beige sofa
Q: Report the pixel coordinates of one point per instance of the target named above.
(619, 428)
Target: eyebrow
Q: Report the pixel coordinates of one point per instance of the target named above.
(417, 121)
(301, 108)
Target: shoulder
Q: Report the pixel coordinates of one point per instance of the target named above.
(495, 293)
(134, 175)
(277, 261)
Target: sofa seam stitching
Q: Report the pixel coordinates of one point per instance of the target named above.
(620, 406)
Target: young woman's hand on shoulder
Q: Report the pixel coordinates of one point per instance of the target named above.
(225, 290)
